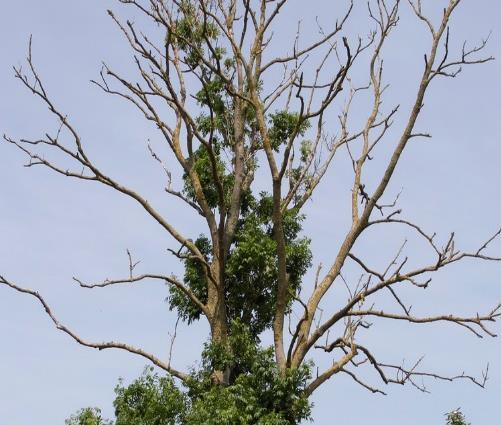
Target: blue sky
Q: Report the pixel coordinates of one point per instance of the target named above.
(54, 228)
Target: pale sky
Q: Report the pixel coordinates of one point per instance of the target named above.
(53, 228)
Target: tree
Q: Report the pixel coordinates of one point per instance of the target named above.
(87, 416)
(456, 417)
(231, 123)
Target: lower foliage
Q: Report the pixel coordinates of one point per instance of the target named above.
(258, 392)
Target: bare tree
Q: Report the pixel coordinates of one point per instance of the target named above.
(233, 106)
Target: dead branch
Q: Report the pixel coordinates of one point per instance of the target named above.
(100, 346)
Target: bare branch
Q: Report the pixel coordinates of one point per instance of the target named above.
(100, 346)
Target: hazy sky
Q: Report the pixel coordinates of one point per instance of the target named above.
(52, 228)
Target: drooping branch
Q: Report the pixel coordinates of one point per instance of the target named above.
(387, 373)
(100, 346)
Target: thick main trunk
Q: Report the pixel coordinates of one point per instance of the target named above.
(218, 320)
(219, 335)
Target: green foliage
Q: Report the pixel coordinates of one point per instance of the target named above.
(149, 400)
(194, 279)
(456, 417)
(258, 394)
(87, 416)
(203, 167)
(212, 95)
(190, 32)
(251, 272)
(283, 125)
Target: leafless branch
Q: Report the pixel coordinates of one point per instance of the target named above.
(100, 346)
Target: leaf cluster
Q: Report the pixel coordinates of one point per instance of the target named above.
(190, 32)
(87, 416)
(284, 125)
(456, 417)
